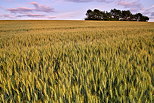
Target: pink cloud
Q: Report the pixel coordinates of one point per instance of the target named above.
(148, 10)
(152, 14)
(42, 8)
(36, 16)
(20, 10)
(81, 1)
(31, 15)
(130, 4)
(7, 16)
(37, 8)
(51, 17)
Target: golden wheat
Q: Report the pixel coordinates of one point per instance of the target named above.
(76, 62)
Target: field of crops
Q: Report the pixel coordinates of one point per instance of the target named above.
(76, 62)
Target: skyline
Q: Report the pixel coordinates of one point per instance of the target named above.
(68, 9)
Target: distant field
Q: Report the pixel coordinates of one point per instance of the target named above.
(76, 62)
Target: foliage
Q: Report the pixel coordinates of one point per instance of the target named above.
(76, 61)
(114, 15)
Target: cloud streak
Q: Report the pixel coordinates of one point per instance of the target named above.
(82, 1)
(152, 14)
(132, 5)
(5, 16)
(148, 10)
(28, 15)
(20, 10)
(41, 8)
(31, 15)
(37, 8)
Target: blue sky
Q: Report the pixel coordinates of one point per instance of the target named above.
(68, 9)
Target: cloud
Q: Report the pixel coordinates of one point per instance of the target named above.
(28, 15)
(152, 14)
(148, 10)
(32, 15)
(132, 5)
(127, 4)
(5, 16)
(42, 8)
(81, 1)
(20, 10)
(51, 17)
(37, 8)
(36, 16)
(23, 12)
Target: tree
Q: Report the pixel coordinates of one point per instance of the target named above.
(94, 15)
(126, 15)
(89, 15)
(145, 18)
(138, 16)
(114, 15)
(97, 14)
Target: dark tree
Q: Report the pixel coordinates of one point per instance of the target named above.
(89, 15)
(94, 15)
(114, 15)
(126, 15)
(140, 17)
(145, 18)
(97, 14)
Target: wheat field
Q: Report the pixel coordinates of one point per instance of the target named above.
(76, 62)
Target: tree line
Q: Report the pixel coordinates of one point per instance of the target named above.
(114, 15)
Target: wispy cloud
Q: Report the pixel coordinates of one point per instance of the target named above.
(28, 15)
(152, 14)
(81, 1)
(36, 16)
(31, 15)
(129, 4)
(51, 17)
(20, 10)
(37, 8)
(132, 5)
(25, 12)
(148, 10)
(6, 16)
(42, 8)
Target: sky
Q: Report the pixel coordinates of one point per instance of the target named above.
(68, 9)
